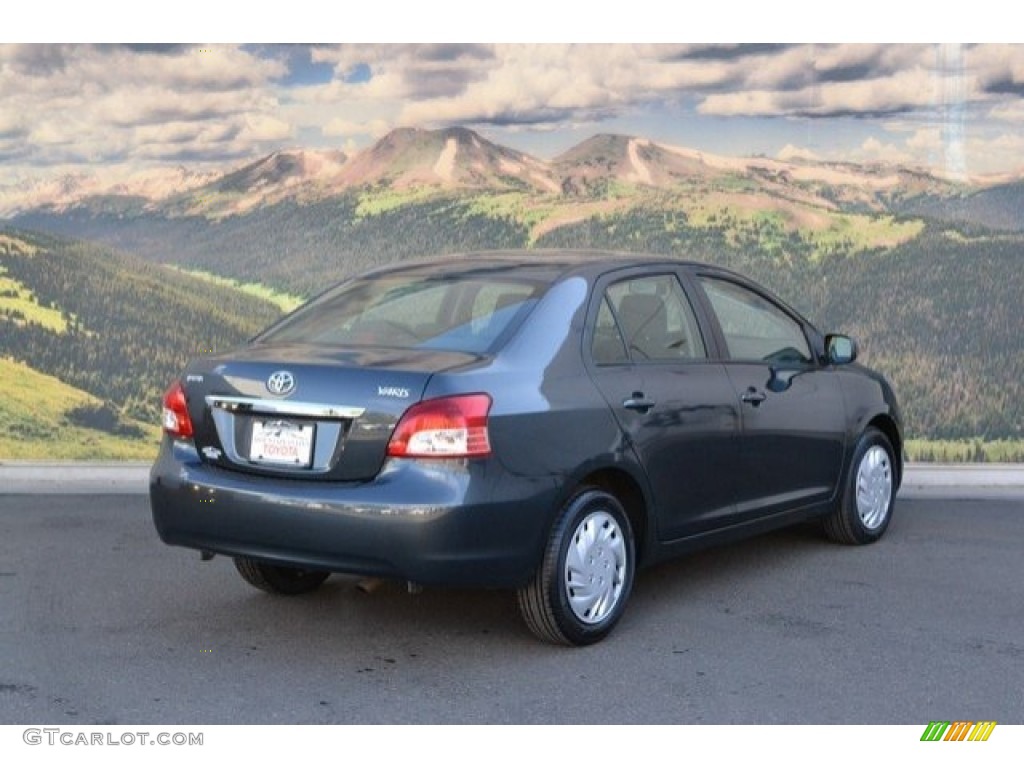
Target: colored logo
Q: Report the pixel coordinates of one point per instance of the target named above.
(960, 730)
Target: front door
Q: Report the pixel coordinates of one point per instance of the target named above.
(792, 412)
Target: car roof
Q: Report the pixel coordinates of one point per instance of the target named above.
(547, 264)
(552, 264)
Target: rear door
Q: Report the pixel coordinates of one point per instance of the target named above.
(793, 422)
(650, 360)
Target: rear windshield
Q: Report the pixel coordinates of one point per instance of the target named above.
(464, 313)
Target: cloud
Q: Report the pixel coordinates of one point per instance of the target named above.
(926, 140)
(157, 48)
(112, 103)
(12, 125)
(875, 151)
(339, 126)
(408, 71)
(998, 69)
(726, 51)
(541, 84)
(901, 92)
(33, 60)
(946, 151)
(868, 81)
(1009, 112)
(544, 83)
(265, 128)
(125, 103)
(791, 152)
(995, 153)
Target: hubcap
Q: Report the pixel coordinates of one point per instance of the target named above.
(595, 567)
(874, 487)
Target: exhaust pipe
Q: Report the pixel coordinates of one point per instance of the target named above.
(369, 586)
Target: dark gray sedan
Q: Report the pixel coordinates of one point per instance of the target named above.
(541, 421)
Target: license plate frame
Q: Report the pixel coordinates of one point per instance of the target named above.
(281, 443)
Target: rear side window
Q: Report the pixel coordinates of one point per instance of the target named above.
(755, 328)
(646, 319)
(464, 313)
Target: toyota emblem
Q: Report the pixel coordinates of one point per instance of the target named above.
(281, 383)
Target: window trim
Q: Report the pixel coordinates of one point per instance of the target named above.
(603, 301)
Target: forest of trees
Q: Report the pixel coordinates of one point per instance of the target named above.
(939, 315)
(135, 324)
(296, 248)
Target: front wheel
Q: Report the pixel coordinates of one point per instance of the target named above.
(277, 579)
(580, 589)
(865, 508)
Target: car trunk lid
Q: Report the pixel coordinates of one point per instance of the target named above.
(306, 412)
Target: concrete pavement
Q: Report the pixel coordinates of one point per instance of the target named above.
(102, 623)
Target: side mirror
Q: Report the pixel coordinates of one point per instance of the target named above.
(840, 349)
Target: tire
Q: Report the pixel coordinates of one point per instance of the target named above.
(277, 579)
(869, 493)
(591, 542)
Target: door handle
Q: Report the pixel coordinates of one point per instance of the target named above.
(638, 402)
(753, 396)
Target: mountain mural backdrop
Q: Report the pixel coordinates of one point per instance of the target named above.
(106, 289)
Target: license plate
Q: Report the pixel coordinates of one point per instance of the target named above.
(281, 442)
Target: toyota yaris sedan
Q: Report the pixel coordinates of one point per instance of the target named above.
(545, 422)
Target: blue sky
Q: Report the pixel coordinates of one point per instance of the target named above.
(953, 108)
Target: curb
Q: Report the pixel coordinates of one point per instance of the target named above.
(74, 477)
(960, 481)
(963, 481)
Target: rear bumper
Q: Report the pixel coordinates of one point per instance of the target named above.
(433, 522)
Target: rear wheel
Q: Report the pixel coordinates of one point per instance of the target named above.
(865, 508)
(580, 589)
(277, 579)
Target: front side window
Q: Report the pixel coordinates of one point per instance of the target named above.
(647, 319)
(754, 328)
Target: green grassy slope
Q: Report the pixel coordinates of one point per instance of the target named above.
(128, 328)
(43, 418)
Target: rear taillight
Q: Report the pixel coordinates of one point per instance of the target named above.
(177, 422)
(449, 427)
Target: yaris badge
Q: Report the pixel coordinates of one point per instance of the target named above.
(280, 383)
